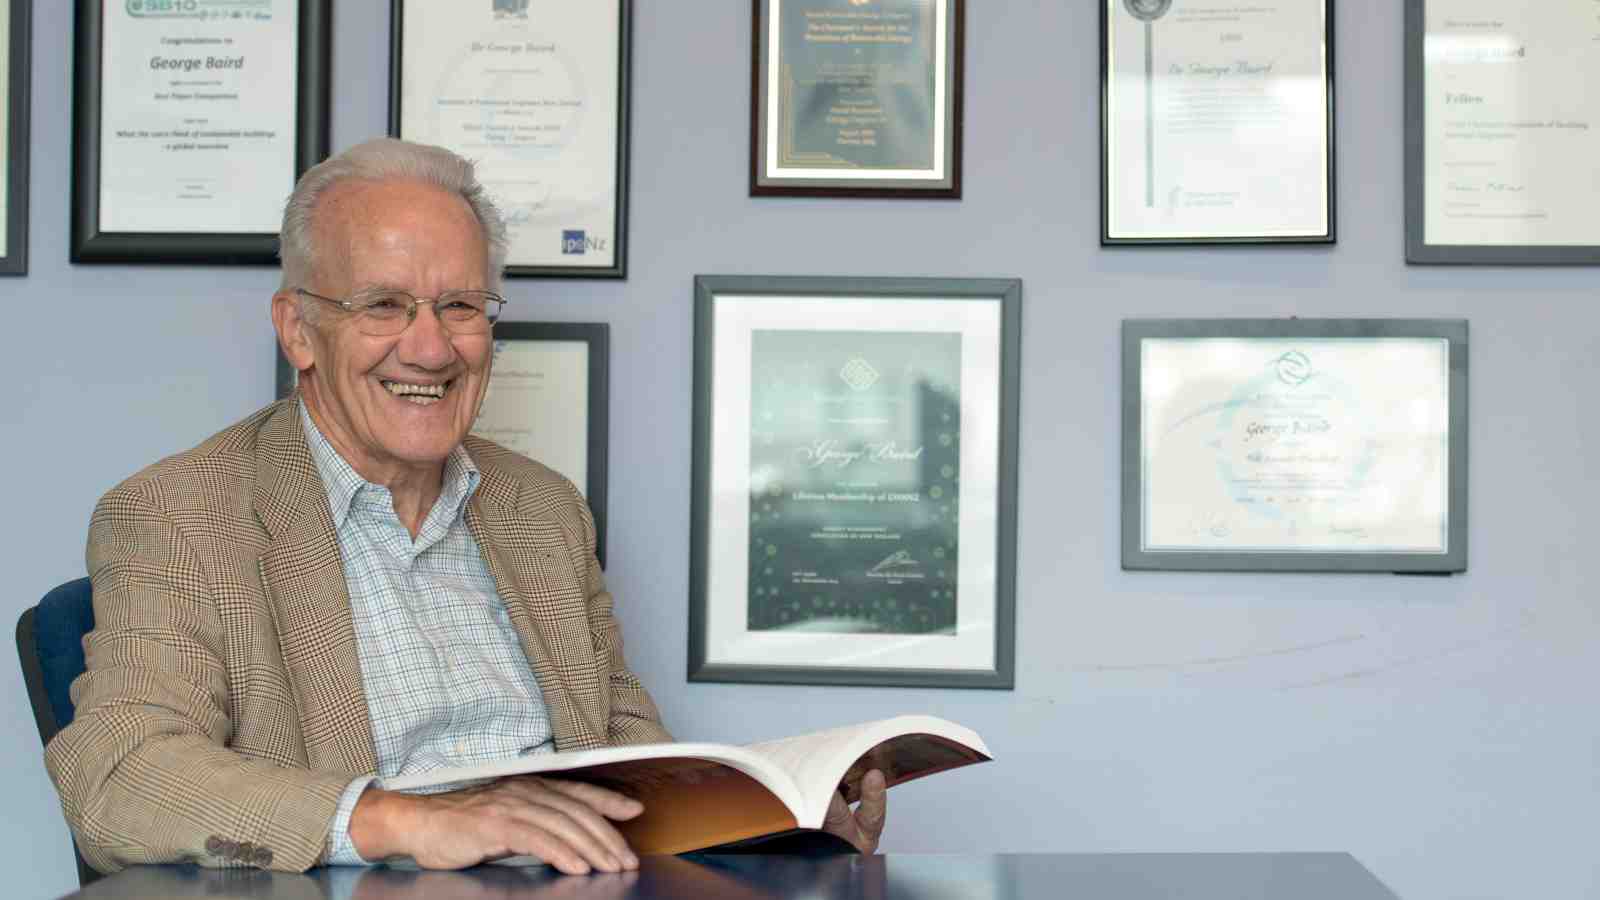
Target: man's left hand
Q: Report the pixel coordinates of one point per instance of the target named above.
(863, 826)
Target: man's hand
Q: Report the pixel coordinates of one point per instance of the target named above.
(864, 826)
(563, 823)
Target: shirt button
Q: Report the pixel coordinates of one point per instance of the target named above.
(263, 857)
(215, 844)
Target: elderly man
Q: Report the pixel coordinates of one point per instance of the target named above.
(346, 584)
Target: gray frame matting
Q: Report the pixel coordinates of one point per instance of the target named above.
(1008, 293)
(1418, 251)
(1134, 331)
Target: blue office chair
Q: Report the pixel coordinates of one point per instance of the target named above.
(50, 645)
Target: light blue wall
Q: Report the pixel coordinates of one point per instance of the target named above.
(1442, 730)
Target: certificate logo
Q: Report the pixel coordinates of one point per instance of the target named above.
(199, 9)
(576, 242)
(1294, 368)
(1147, 10)
(859, 374)
(511, 9)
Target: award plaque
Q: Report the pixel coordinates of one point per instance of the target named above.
(191, 123)
(854, 502)
(547, 400)
(1216, 122)
(1502, 132)
(537, 95)
(1297, 445)
(14, 67)
(856, 98)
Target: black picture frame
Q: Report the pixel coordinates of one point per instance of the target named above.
(1135, 554)
(90, 244)
(996, 652)
(18, 71)
(762, 184)
(596, 336)
(1107, 239)
(1418, 250)
(619, 267)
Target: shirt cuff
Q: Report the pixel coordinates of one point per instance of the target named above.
(340, 851)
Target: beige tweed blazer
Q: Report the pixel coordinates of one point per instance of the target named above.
(222, 713)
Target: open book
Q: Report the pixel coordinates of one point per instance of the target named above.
(706, 795)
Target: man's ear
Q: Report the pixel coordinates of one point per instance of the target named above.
(294, 332)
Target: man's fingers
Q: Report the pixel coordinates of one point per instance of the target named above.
(607, 803)
(874, 806)
(837, 816)
(577, 822)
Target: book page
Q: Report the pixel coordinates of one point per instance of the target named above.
(903, 748)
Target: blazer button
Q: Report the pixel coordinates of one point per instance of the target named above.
(215, 845)
(245, 852)
(263, 857)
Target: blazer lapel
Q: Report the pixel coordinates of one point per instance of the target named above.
(304, 580)
(547, 606)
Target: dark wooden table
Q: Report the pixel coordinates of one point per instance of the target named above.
(1064, 876)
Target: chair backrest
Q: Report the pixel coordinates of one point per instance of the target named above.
(50, 647)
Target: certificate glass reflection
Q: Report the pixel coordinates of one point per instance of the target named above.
(1217, 122)
(857, 95)
(855, 472)
(1295, 445)
(537, 404)
(533, 94)
(198, 115)
(1512, 128)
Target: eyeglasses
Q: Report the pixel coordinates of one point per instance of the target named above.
(386, 312)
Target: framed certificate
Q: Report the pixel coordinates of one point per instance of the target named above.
(548, 400)
(1216, 122)
(1502, 132)
(854, 497)
(1294, 445)
(856, 98)
(191, 123)
(15, 68)
(537, 95)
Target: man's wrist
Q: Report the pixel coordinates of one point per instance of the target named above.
(378, 823)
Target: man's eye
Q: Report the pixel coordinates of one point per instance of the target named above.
(385, 306)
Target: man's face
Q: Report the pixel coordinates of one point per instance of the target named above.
(417, 238)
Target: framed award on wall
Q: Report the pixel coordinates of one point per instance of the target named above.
(854, 499)
(191, 123)
(14, 68)
(1502, 132)
(856, 98)
(1295, 445)
(537, 95)
(1216, 122)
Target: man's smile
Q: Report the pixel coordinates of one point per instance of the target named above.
(419, 393)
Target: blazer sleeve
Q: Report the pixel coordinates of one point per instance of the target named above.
(144, 770)
(633, 717)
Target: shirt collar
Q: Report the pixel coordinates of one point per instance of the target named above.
(343, 484)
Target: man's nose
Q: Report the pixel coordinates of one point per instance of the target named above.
(426, 342)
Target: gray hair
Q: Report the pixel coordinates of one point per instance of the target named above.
(384, 159)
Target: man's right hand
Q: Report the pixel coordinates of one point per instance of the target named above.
(564, 823)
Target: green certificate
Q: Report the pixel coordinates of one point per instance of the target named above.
(855, 470)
